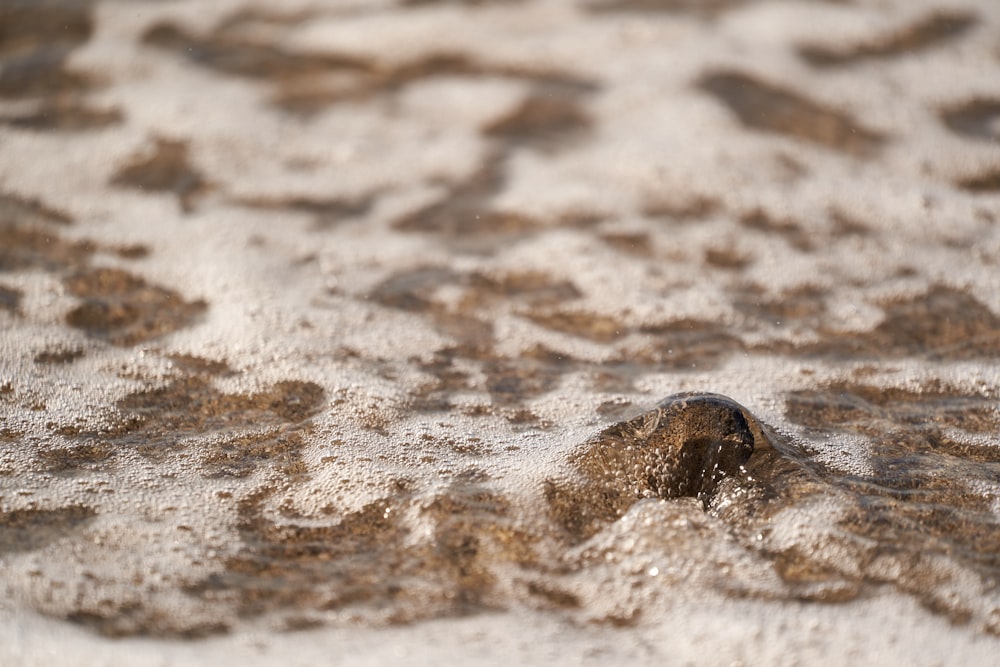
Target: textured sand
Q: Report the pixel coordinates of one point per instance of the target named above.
(309, 315)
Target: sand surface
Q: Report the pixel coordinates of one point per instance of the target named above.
(333, 332)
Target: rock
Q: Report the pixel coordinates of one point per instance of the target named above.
(682, 448)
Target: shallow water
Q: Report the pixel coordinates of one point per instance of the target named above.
(360, 315)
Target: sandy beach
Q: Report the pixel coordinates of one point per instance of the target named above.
(499, 332)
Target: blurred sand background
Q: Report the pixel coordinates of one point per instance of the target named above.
(308, 308)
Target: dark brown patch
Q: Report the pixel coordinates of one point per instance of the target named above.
(415, 291)
(412, 290)
(686, 345)
(534, 287)
(326, 213)
(242, 455)
(946, 524)
(135, 251)
(944, 323)
(253, 21)
(228, 53)
(58, 355)
(770, 108)
(698, 7)
(166, 169)
(67, 460)
(123, 309)
(727, 258)
(512, 381)
(576, 510)
(920, 503)
(931, 31)
(790, 230)
(242, 433)
(467, 321)
(801, 303)
(8, 435)
(845, 224)
(67, 114)
(35, 39)
(190, 364)
(31, 529)
(28, 26)
(132, 619)
(592, 326)
(665, 205)
(435, 396)
(555, 597)
(581, 219)
(16, 210)
(543, 81)
(460, 215)
(363, 561)
(549, 118)
(192, 406)
(23, 247)
(305, 83)
(977, 119)
(465, 212)
(472, 3)
(27, 240)
(373, 78)
(10, 298)
(874, 411)
(633, 243)
(986, 181)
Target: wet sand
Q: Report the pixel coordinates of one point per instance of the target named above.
(347, 329)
